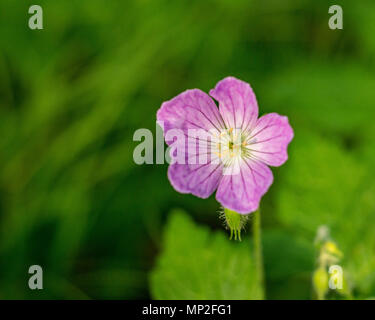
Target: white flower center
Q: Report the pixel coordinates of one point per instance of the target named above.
(230, 145)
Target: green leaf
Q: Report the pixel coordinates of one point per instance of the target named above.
(199, 264)
(359, 238)
(320, 181)
(323, 184)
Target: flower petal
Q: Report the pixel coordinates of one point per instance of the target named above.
(270, 138)
(242, 192)
(192, 109)
(199, 179)
(237, 103)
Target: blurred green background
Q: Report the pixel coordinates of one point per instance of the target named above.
(71, 96)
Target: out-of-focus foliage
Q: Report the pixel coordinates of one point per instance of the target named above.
(320, 184)
(314, 93)
(324, 185)
(71, 96)
(288, 262)
(199, 264)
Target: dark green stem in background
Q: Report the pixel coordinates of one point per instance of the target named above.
(258, 256)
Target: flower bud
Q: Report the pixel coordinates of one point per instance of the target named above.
(332, 248)
(320, 282)
(234, 222)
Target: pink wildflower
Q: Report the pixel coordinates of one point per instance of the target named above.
(263, 142)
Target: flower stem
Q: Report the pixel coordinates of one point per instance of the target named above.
(258, 257)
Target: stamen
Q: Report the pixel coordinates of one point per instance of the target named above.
(231, 145)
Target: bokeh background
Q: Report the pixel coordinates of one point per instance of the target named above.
(73, 201)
